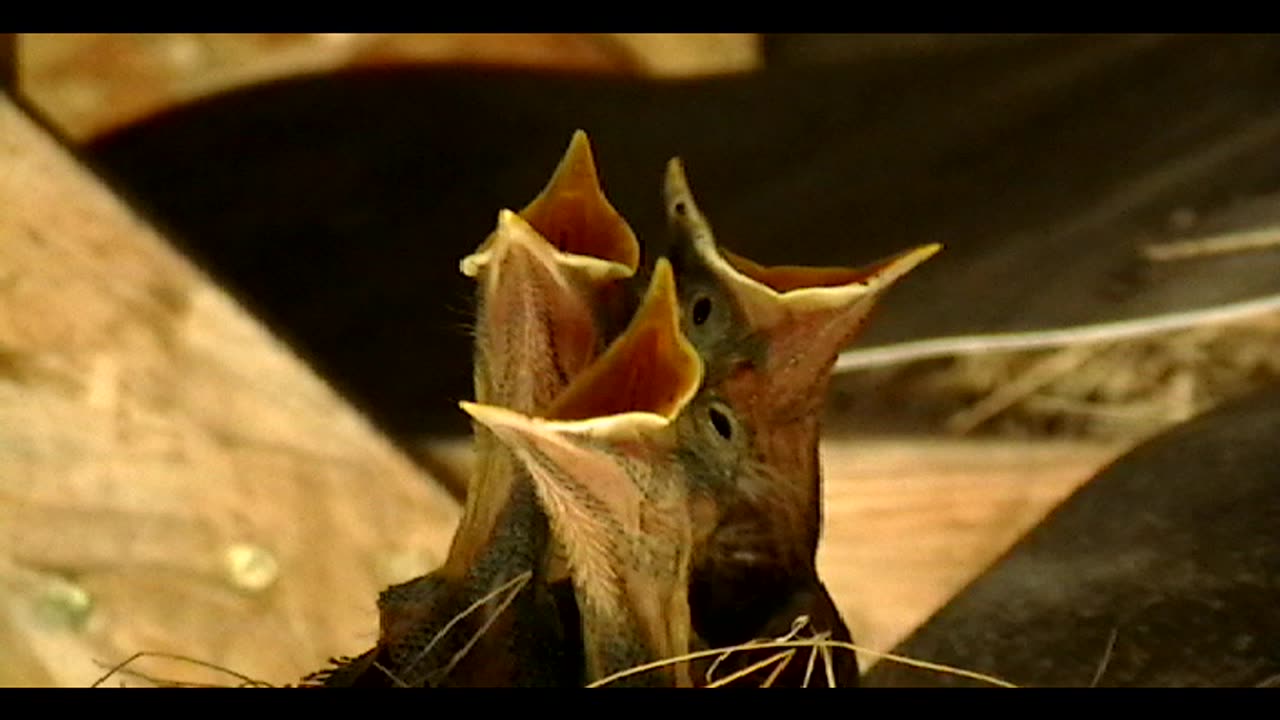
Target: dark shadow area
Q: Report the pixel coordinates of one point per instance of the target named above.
(8, 61)
(337, 207)
(1164, 570)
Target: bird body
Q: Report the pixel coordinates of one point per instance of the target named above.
(605, 464)
(670, 478)
(550, 287)
(769, 337)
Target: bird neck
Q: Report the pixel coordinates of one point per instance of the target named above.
(500, 501)
(618, 637)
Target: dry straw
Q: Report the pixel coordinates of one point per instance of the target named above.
(819, 646)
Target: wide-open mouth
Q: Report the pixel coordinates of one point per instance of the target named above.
(574, 215)
(787, 278)
(793, 286)
(650, 368)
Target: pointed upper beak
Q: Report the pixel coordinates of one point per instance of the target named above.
(603, 457)
(803, 289)
(513, 229)
(768, 297)
(621, 405)
(536, 326)
(574, 214)
(764, 292)
(550, 286)
(575, 220)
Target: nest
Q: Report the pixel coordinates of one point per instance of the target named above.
(817, 652)
(1123, 390)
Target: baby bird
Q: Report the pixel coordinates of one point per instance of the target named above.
(769, 337)
(628, 464)
(550, 293)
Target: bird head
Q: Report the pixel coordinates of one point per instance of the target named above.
(769, 337)
(605, 462)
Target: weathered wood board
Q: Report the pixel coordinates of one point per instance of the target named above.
(92, 83)
(908, 524)
(171, 477)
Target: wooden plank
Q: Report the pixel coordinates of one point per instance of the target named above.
(91, 83)
(908, 524)
(171, 477)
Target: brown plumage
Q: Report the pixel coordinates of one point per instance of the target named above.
(550, 295)
(769, 337)
(606, 464)
(551, 291)
(689, 508)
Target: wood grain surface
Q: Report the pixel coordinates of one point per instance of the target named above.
(96, 82)
(171, 477)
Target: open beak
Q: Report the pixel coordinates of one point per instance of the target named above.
(651, 367)
(574, 214)
(621, 405)
(535, 327)
(575, 219)
(806, 315)
(601, 463)
(550, 283)
(550, 293)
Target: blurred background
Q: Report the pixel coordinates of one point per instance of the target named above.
(95, 83)
(1110, 271)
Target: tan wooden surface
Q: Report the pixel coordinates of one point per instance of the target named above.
(909, 524)
(91, 83)
(171, 477)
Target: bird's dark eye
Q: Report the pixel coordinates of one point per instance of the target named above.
(701, 310)
(681, 209)
(721, 423)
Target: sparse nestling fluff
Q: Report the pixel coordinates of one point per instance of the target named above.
(769, 337)
(551, 291)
